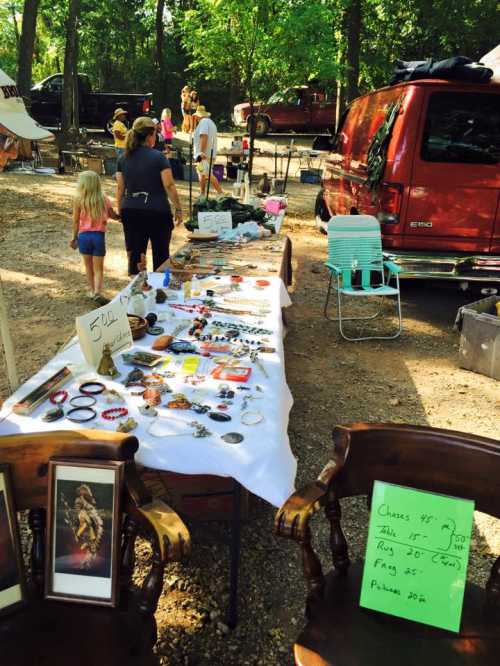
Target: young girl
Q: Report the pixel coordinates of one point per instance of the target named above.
(167, 126)
(91, 210)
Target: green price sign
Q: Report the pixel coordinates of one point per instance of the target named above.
(417, 555)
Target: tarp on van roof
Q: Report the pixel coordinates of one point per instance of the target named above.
(492, 60)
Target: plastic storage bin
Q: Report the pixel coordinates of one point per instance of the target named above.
(480, 337)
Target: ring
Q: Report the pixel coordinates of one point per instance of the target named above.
(58, 397)
(93, 414)
(251, 418)
(84, 388)
(76, 401)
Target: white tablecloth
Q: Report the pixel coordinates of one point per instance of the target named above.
(262, 462)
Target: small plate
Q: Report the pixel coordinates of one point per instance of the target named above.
(201, 236)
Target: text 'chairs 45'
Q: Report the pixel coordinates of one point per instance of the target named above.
(355, 245)
(57, 633)
(341, 633)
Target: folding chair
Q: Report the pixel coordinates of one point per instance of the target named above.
(355, 245)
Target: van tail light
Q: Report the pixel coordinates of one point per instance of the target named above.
(146, 106)
(390, 198)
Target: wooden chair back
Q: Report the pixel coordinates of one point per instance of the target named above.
(429, 459)
(28, 456)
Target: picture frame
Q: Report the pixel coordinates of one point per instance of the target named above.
(83, 530)
(12, 578)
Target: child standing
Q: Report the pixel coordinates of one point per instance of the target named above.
(167, 126)
(91, 210)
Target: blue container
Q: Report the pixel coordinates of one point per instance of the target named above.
(312, 176)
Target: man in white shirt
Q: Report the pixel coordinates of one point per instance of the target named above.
(205, 144)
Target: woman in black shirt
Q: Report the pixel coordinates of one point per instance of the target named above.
(144, 179)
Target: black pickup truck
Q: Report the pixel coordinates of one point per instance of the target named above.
(96, 107)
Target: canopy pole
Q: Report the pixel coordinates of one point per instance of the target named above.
(7, 346)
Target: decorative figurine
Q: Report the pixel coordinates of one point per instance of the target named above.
(134, 376)
(161, 296)
(179, 402)
(106, 366)
(113, 396)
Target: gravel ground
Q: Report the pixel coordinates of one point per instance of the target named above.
(412, 380)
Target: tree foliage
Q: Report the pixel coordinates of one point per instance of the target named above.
(205, 42)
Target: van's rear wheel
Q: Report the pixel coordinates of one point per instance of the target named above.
(321, 213)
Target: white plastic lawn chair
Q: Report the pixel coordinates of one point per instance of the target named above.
(355, 245)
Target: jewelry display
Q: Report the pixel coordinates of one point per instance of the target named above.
(199, 408)
(82, 401)
(218, 416)
(112, 395)
(156, 330)
(133, 377)
(153, 380)
(251, 418)
(141, 390)
(58, 397)
(127, 426)
(232, 437)
(71, 415)
(92, 388)
(114, 413)
(152, 397)
(148, 410)
(251, 330)
(53, 414)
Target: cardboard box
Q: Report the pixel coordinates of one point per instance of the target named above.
(197, 496)
(95, 164)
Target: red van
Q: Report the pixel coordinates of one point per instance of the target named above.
(438, 200)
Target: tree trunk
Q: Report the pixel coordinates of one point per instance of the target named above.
(252, 137)
(353, 32)
(160, 8)
(26, 46)
(69, 116)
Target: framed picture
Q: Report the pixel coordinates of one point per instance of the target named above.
(83, 530)
(12, 589)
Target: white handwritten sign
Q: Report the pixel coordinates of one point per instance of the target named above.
(215, 222)
(106, 325)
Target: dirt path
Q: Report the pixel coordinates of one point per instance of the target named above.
(414, 380)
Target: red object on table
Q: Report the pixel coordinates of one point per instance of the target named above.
(239, 374)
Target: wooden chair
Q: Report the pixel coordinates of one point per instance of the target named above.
(341, 633)
(55, 633)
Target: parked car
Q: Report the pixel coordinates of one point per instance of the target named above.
(438, 200)
(302, 109)
(96, 107)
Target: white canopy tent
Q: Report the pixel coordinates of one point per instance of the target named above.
(18, 123)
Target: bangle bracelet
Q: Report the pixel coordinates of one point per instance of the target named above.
(114, 413)
(72, 412)
(88, 401)
(92, 388)
(58, 397)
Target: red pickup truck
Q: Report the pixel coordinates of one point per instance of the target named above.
(438, 197)
(301, 109)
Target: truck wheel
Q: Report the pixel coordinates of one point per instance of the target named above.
(261, 126)
(321, 213)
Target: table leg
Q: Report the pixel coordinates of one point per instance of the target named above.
(232, 614)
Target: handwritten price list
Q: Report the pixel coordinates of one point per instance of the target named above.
(417, 555)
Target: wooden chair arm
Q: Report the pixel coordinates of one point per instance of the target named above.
(172, 535)
(292, 519)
